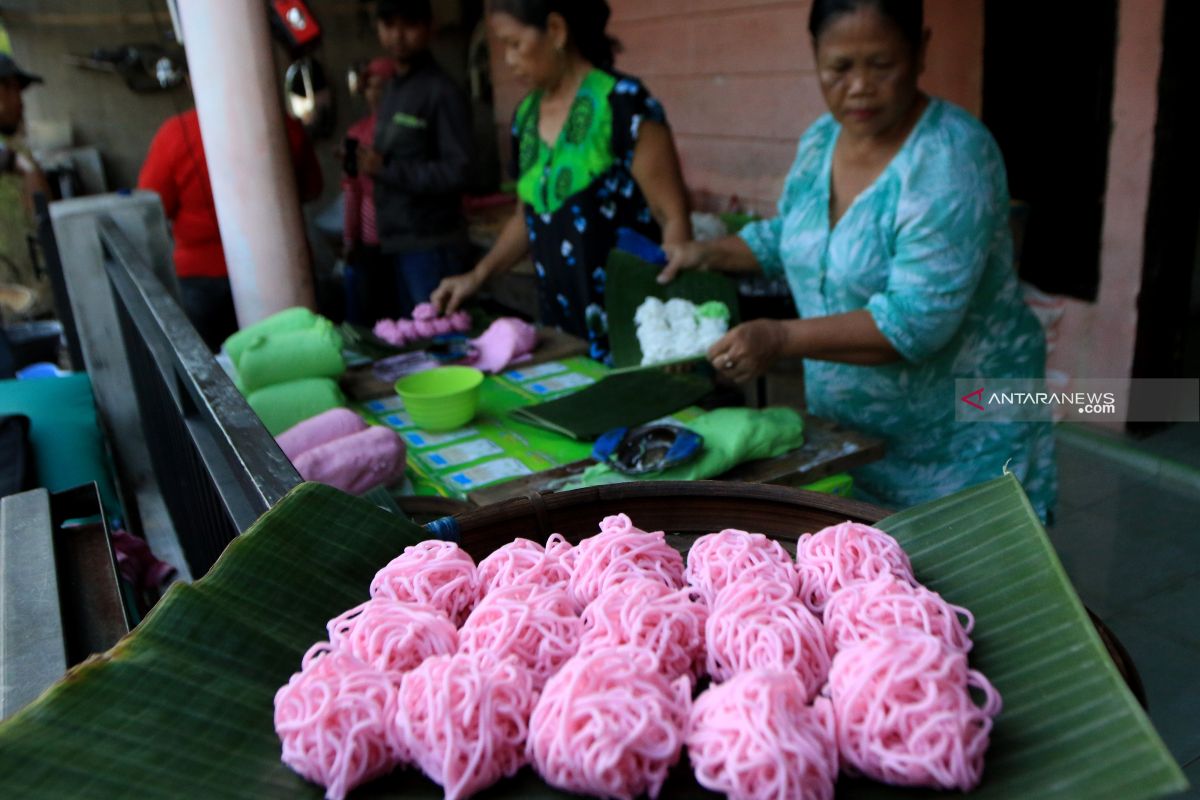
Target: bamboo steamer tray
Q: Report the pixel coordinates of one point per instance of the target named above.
(685, 510)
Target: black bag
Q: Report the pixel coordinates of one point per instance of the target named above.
(16, 456)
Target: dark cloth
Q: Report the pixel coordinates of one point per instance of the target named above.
(363, 279)
(417, 273)
(423, 133)
(573, 221)
(208, 303)
(382, 286)
(17, 473)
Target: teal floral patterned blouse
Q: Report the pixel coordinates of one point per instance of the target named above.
(927, 250)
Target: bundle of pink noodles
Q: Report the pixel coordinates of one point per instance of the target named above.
(523, 561)
(425, 324)
(463, 720)
(865, 609)
(618, 552)
(609, 724)
(904, 713)
(535, 624)
(391, 636)
(718, 559)
(755, 738)
(844, 554)
(334, 718)
(763, 625)
(439, 574)
(647, 613)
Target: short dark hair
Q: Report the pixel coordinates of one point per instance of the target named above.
(587, 23)
(907, 15)
(419, 11)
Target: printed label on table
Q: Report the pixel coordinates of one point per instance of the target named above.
(421, 439)
(385, 405)
(400, 421)
(561, 383)
(488, 473)
(533, 373)
(462, 453)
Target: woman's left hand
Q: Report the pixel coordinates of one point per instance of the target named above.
(748, 350)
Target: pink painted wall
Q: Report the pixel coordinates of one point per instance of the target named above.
(1096, 340)
(737, 80)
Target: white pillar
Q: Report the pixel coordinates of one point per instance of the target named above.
(253, 181)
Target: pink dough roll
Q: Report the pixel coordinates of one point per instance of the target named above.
(334, 718)
(464, 720)
(321, 429)
(862, 610)
(391, 636)
(646, 613)
(754, 738)
(535, 624)
(844, 554)
(619, 552)
(609, 724)
(357, 463)
(440, 574)
(904, 711)
(763, 625)
(718, 559)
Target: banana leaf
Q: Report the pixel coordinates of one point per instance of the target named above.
(630, 280)
(183, 706)
(619, 399)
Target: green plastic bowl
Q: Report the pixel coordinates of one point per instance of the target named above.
(441, 399)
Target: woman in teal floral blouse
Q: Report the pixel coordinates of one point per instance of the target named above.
(893, 235)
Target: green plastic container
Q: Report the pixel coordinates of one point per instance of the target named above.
(441, 399)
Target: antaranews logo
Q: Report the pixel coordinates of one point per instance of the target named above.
(1085, 400)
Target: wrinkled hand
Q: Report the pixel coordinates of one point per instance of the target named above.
(748, 350)
(452, 292)
(689, 255)
(369, 162)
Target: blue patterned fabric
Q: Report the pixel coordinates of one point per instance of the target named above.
(927, 250)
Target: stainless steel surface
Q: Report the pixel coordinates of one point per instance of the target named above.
(32, 647)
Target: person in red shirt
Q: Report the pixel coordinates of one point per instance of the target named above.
(364, 268)
(176, 169)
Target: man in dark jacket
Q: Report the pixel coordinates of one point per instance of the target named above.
(420, 160)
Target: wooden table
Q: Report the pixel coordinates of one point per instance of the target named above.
(827, 450)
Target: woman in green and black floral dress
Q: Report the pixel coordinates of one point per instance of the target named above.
(593, 154)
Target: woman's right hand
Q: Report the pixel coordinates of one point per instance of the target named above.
(452, 292)
(688, 255)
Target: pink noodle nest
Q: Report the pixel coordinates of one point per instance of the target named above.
(618, 552)
(718, 559)
(436, 573)
(391, 636)
(609, 724)
(754, 738)
(861, 610)
(649, 614)
(334, 718)
(763, 625)
(463, 719)
(523, 561)
(844, 554)
(904, 713)
(535, 624)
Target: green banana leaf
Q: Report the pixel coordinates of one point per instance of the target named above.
(630, 280)
(183, 706)
(617, 400)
